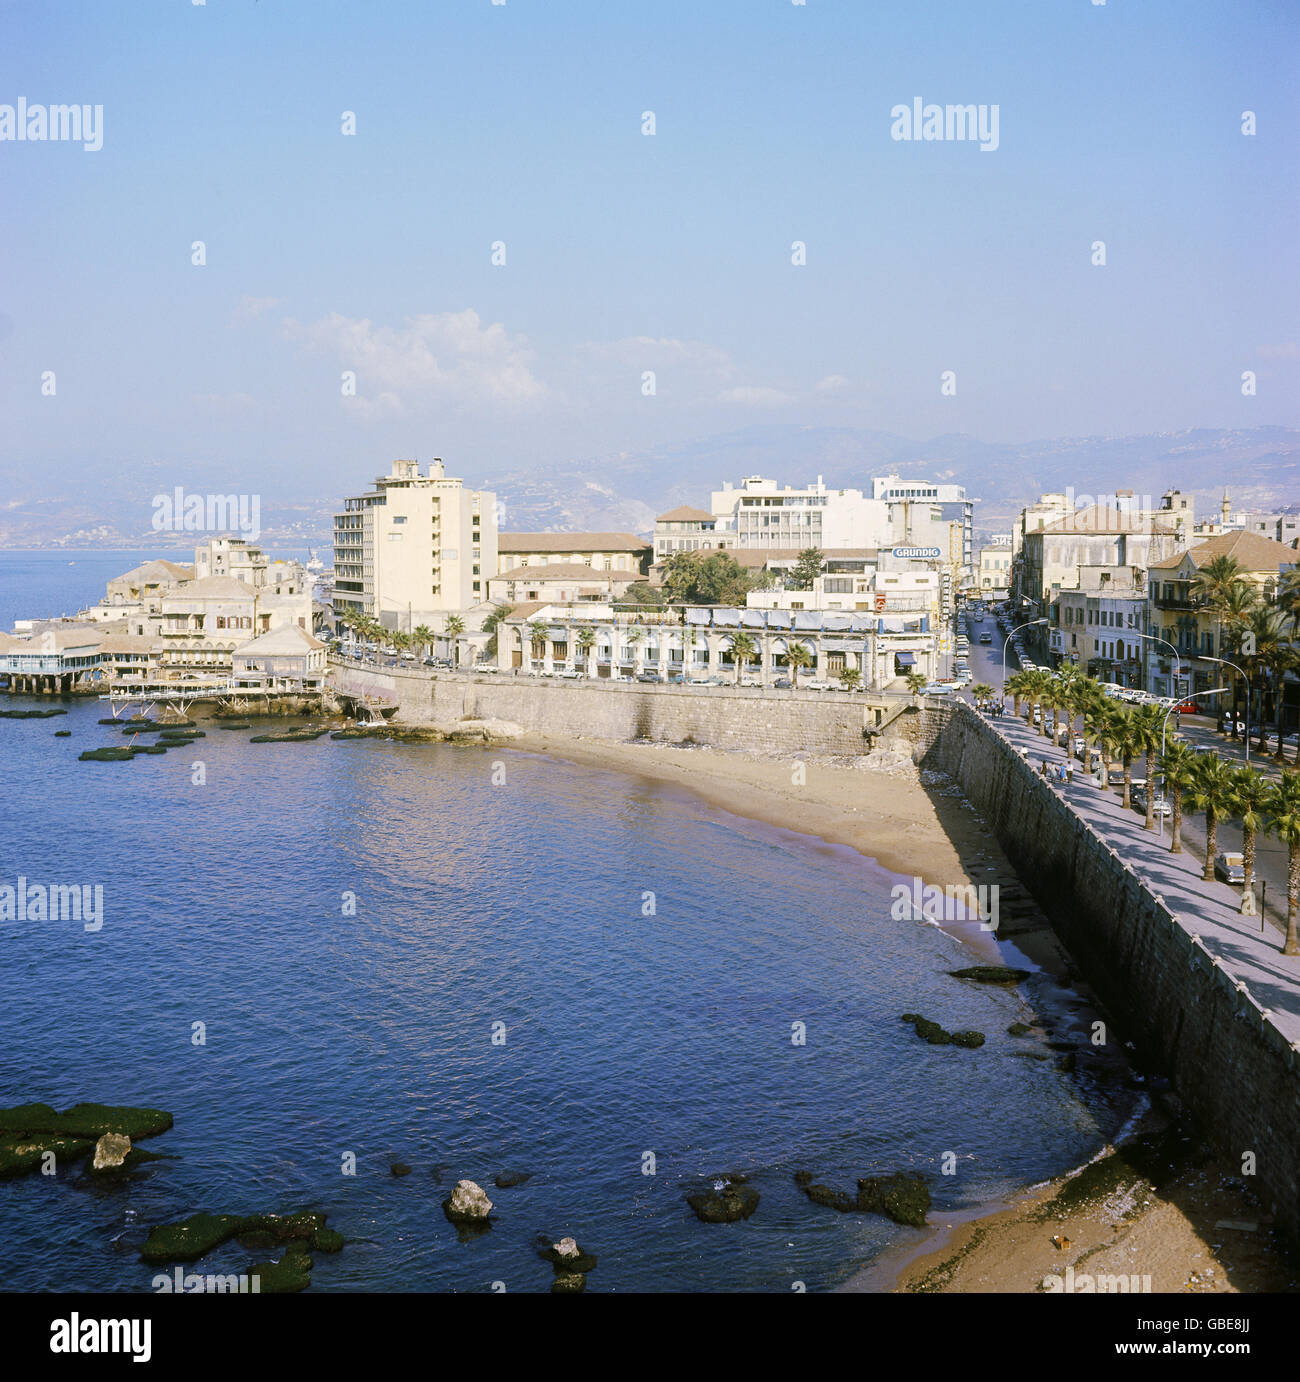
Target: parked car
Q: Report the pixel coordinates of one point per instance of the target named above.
(818, 685)
(936, 690)
(1079, 743)
(782, 683)
(1138, 800)
(569, 674)
(647, 676)
(1230, 867)
(986, 638)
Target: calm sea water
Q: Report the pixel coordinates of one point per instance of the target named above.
(479, 903)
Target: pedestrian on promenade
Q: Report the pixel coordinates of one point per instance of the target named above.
(1069, 774)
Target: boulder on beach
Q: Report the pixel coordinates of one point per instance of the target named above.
(467, 1204)
(725, 1203)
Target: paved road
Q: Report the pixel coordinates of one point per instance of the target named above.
(1208, 909)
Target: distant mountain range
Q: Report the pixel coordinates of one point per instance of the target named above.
(1259, 467)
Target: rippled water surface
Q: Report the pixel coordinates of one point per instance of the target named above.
(628, 1037)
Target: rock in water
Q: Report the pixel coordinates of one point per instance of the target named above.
(725, 1206)
(567, 1247)
(904, 1198)
(467, 1204)
(110, 1152)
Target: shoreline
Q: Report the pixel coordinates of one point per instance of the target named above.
(1189, 1226)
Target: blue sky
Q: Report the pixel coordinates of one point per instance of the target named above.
(522, 123)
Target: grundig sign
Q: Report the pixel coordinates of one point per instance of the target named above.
(911, 552)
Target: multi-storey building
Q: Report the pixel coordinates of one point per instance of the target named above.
(685, 529)
(414, 548)
(1102, 625)
(762, 514)
(919, 510)
(615, 552)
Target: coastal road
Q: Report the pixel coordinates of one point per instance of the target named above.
(1210, 908)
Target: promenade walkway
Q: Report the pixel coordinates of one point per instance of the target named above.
(1206, 909)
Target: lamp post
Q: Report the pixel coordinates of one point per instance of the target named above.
(1218, 691)
(1006, 642)
(1178, 666)
(1223, 661)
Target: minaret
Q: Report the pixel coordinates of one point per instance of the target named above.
(1225, 509)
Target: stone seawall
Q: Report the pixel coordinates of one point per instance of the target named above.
(1233, 1071)
(721, 717)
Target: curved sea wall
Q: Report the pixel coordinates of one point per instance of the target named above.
(1234, 1072)
(722, 717)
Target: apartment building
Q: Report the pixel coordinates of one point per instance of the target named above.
(686, 529)
(919, 510)
(613, 552)
(1102, 624)
(414, 548)
(760, 513)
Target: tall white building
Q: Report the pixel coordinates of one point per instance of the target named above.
(761, 513)
(415, 548)
(919, 510)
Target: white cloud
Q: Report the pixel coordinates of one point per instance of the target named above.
(433, 358)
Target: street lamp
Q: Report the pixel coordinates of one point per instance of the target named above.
(1218, 691)
(1223, 661)
(1178, 666)
(1006, 641)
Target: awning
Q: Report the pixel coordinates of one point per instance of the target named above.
(905, 659)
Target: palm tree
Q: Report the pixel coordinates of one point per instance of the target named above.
(1267, 660)
(1212, 793)
(454, 627)
(1178, 768)
(537, 634)
(585, 640)
(1125, 740)
(1252, 795)
(743, 650)
(635, 636)
(849, 677)
(915, 681)
(983, 693)
(1146, 723)
(1099, 727)
(1017, 686)
(424, 636)
(797, 655)
(1284, 822)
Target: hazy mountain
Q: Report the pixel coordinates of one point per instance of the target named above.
(1260, 467)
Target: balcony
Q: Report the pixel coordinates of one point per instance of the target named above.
(1180, 602)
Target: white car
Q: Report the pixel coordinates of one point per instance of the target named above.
(818, 686)
(570, 674)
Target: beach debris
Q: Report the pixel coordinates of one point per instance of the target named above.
(1060, 1244)
(467, 1204)
(727, 1205)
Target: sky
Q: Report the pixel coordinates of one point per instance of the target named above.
(625, 252)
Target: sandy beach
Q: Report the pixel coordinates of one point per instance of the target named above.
(1158, 1209)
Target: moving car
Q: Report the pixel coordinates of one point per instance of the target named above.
(1230, 867)
(1138, 800)
(986, 638)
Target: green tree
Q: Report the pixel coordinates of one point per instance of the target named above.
(915, 681)
(1178, 768)
(705, 578)
(1212, 793)
(1146, 722)
(585, 640)
(1284, 822)
(743, 650)
(424, 636)
(454, 627)
(1252, 795)
(849, 677)
(798, 655)
(806, 569)
(641, 595)
(492, 625)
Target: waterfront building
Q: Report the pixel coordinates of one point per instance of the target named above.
(613, 552)
(563, 582)
(1197, 633)
(285, 659)
(1101, 623)
(1054, 556)
(414, 548)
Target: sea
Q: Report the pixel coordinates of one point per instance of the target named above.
(327, 958)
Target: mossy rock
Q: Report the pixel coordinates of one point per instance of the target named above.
(29, 714)
(991, 974)
(930, 1031)
(400, 1168)
(726, 1206)
(191, 1238)
(235, 724)
(182, 735)
(290, 1274)
(63, 734)
(904, 1197)
(86, 1120)
(140, 727)
(969, 1038)
(301, 736)
(108, 755)
(327, 1240)
(830, 1198)
(569, 1284)
(148, 748)
(23, 1153)
(803, 1178)
(177, 724)
(1018, 1029)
